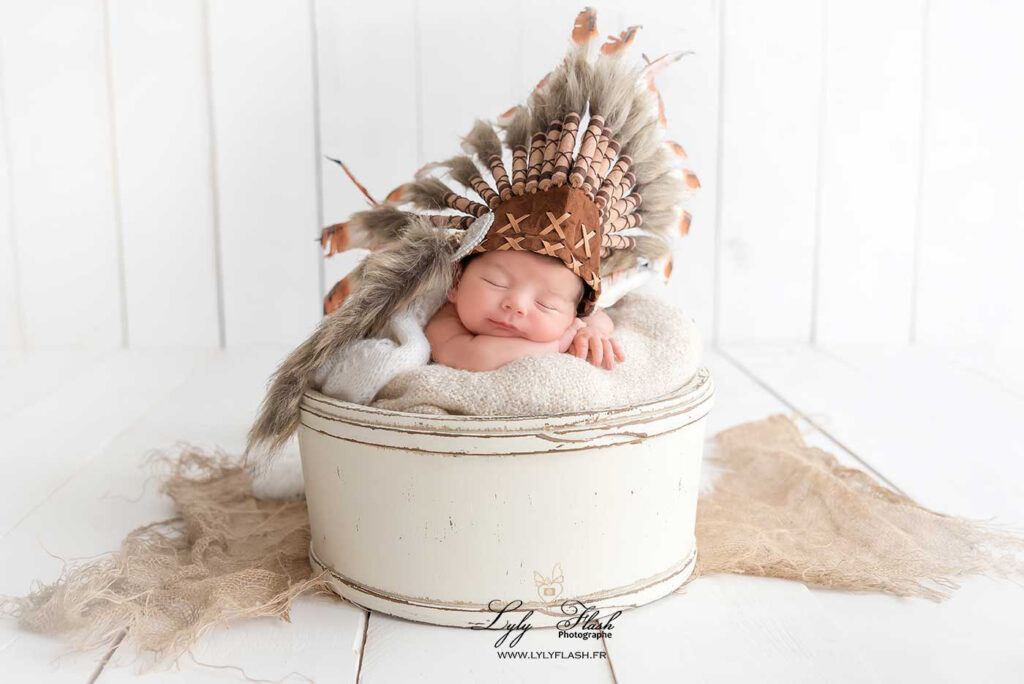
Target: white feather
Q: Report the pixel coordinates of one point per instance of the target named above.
(475, 234)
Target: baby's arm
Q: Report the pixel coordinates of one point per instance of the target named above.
(452, 345)
(487, 352)
(600, 322)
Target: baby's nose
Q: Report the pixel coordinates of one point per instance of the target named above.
(514, 303)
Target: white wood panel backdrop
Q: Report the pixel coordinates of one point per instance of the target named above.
(164, 171)
(163, 179)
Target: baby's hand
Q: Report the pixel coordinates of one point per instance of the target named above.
(569, 334)
(603, 349)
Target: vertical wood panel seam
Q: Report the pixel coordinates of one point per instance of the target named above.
(921, 158)
(317, 148)
(418, 80)
(365, 624)
(115, 173)
(604, 644)
(820, 175)
(218, 267)
(107, 656)
(716, 286)
(792, 407)
(16, 296)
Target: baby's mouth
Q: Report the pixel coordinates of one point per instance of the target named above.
(502, 325)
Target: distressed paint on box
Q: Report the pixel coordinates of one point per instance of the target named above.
(444, 519)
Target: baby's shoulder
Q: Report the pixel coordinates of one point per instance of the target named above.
(449, 308)
(444, 324)
(446, 311)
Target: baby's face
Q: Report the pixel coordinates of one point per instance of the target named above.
(533, 294)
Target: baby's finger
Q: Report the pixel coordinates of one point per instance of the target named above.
(609, 360)
(618, 350)
(582, 345)
(597, 352)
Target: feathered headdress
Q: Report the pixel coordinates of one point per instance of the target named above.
(594, 184)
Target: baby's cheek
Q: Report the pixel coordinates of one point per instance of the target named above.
(541, 331)
(561, 326)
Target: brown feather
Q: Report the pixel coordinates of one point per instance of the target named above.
(352, 178)
(614, 87)
(335, 238)
(662, 196)
(336, 297)
(516, 127)
(650, 156)
(373, 227)
(461, 168)
(651, 248)
(584, 28)
(483, 141)
(426, 193)
(430, 193)
(616, 45)
(685, 219)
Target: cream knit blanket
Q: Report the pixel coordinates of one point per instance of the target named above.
(662, 348)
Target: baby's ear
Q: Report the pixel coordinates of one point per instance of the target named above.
(451, 295)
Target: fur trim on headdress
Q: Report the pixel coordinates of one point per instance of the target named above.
(388, 281)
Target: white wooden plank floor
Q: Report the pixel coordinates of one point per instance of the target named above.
(937, 423)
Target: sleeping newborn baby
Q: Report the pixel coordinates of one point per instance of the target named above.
(508, 304)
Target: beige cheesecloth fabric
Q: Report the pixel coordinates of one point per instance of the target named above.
(776, 508)
(226, 555)
(780, 508)
(662, 348)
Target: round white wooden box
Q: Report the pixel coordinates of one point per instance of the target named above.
(450, 519)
